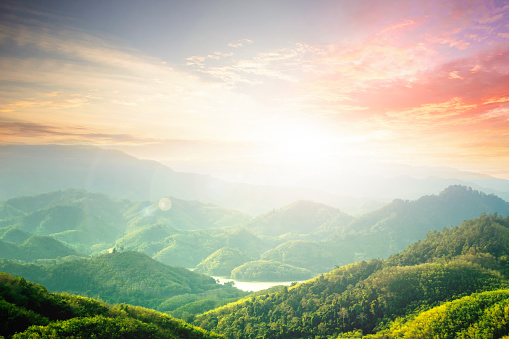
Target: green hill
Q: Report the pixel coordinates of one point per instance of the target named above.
(34, 248)
(181, 249)
(480, 315)
(13, 234)
(27, 310)
(370, 296)
(389, 230)
(93, 222)
(300, 217)
(222, 262)
(404, 222)
(264, 270)
(128, 277)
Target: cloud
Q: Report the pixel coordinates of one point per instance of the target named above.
(240, 43)
(34, 133)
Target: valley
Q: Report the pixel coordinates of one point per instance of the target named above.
(227, 169)
(304, 269)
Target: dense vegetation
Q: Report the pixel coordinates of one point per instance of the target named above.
(264, 270)
(27, 310)
(132, 278)
(91, 222)
(367, 297)
(300, 217)
(304, 235)
(480, 315)
(222, 262)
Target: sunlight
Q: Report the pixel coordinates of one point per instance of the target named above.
(299, 145)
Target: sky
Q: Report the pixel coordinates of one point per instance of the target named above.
(263, 91)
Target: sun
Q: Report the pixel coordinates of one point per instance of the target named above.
(299, 146)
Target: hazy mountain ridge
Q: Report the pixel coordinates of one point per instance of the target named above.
(93, 222)
(307, 235)
(31, 170)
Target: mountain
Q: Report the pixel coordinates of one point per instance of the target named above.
(374, 296)
(35, 169)
(94, 222)
(388, 230)
(29, 311)
(268, 270)
(128, 277)
(300, 217)
(35, 248)
(181, 249)
(480, 315)
(222, 262)
(29, 170)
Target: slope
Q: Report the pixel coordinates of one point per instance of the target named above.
(367, 295)
(300, 217)
(480, 315)
(388, 230)
(35, 169)
(93, 222)
(128, 277)
(24, 304)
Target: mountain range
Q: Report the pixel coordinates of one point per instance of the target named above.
(31, 170)
(294, 242)
(99, 223)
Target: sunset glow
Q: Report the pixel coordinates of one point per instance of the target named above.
(257, 90)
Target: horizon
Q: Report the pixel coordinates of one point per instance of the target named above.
(274, 92)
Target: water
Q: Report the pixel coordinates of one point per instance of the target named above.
(253, 286)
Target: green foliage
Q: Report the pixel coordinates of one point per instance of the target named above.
(264, 270)
(180, 249)
(34, 248)
(480, 315)
(484, 240)
(149, 239)
(13, 234)
(222, 262)
(368, 296)
(27, 310)
(128, 277)
(91, 222)
(299, 217)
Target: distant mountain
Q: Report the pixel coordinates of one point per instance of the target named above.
(384, 297)
(222, 262)
(32, 170)
(188, 249)
(128, 277)
(35, 169)
(268, 270)
(318, 237)
(408, 221)
(24, 304)
(34, 248)
(300, 217)
(92, 222)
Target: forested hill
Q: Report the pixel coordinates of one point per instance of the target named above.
(388, 230)
(128, 277)
(51, 315)
(300, 217)
(91, 222)
(369, 296)
(415, 218)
